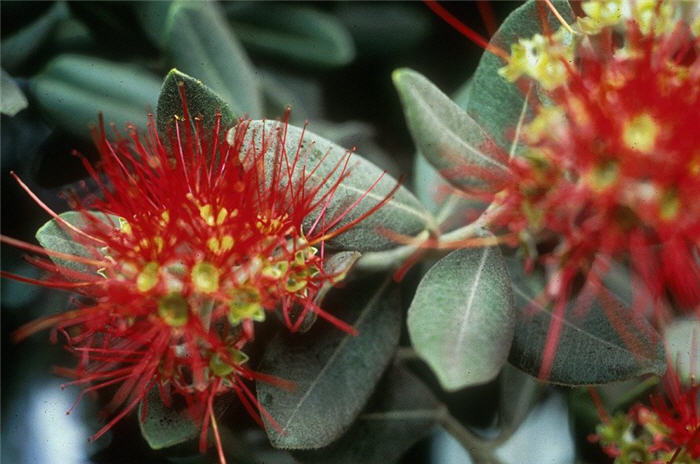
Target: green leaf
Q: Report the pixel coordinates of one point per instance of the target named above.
(682, 338)
(334, 372)
(73, 89)
(54, 236)
(12, 100)
(20, 46)
(384, 29)
(590, 350)
(164, 426)
(200, 43)
(403, 214)
(402, 411)
(494, 103)
(448, 137)
(202, 102)
(461, 318)
(518, 392)
(296, 33)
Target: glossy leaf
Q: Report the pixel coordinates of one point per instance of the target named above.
(297, 34)
(461, 318)
(53, 236)
(448, 137)
(591, 350)
(494, 103)
(164, 426)
(73, 89)
(202, 102)
(402, 411)
(201, 43)
(403, 214)
(334, 372)
(12, 100)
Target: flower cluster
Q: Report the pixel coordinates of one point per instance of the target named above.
(188, 243)
(610, 164)
(666, 430)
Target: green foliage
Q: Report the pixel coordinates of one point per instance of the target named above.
(164, 426)
(334, 372)
(202, 102)
(296, 34)
(402, 411)
(73, 89)
(448, 137)
(591, 350)
(403, 214)
(494, 103)
(199, 42)
(57, 237)
(461, 318)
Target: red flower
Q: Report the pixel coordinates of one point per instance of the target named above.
(611, 168)
(189, 242)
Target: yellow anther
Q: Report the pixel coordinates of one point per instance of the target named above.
(640, 133)
(165, 215)
(213, 244)
(206, 212)
(276, 270)
(173, 309)
(222, 368)
(226, 243)
(245, 304)
(158, 242)
(148, 277)
(205, 277)
(669, 205)
(603, 175)
(221, 217)
(599, 15)
(296, 281)
(124, 226)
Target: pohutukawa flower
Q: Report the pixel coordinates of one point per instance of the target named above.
(189, 242)
(611, 165)
(667, 430)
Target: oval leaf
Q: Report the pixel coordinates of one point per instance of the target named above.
(402, 411)
(318, 160)
(295, 33)
(494, 103)
(202, 102)
(334, 372)
(591, 349)
(164, 426)
(12, 100)
(682, 339)
(461, 318)
(448, 137)
(54, 236)
(73, 89)
(201, 44)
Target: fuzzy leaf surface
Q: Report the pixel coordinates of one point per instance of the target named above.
(402, 214)
(202, 102)
(53, 236)
(461, 318)
(72, 90)
(494, 103)
(591, 350)
(297, 34)
(164, 426)
(334, 372)
(201, 43)
(401, 412)
(448, 137)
